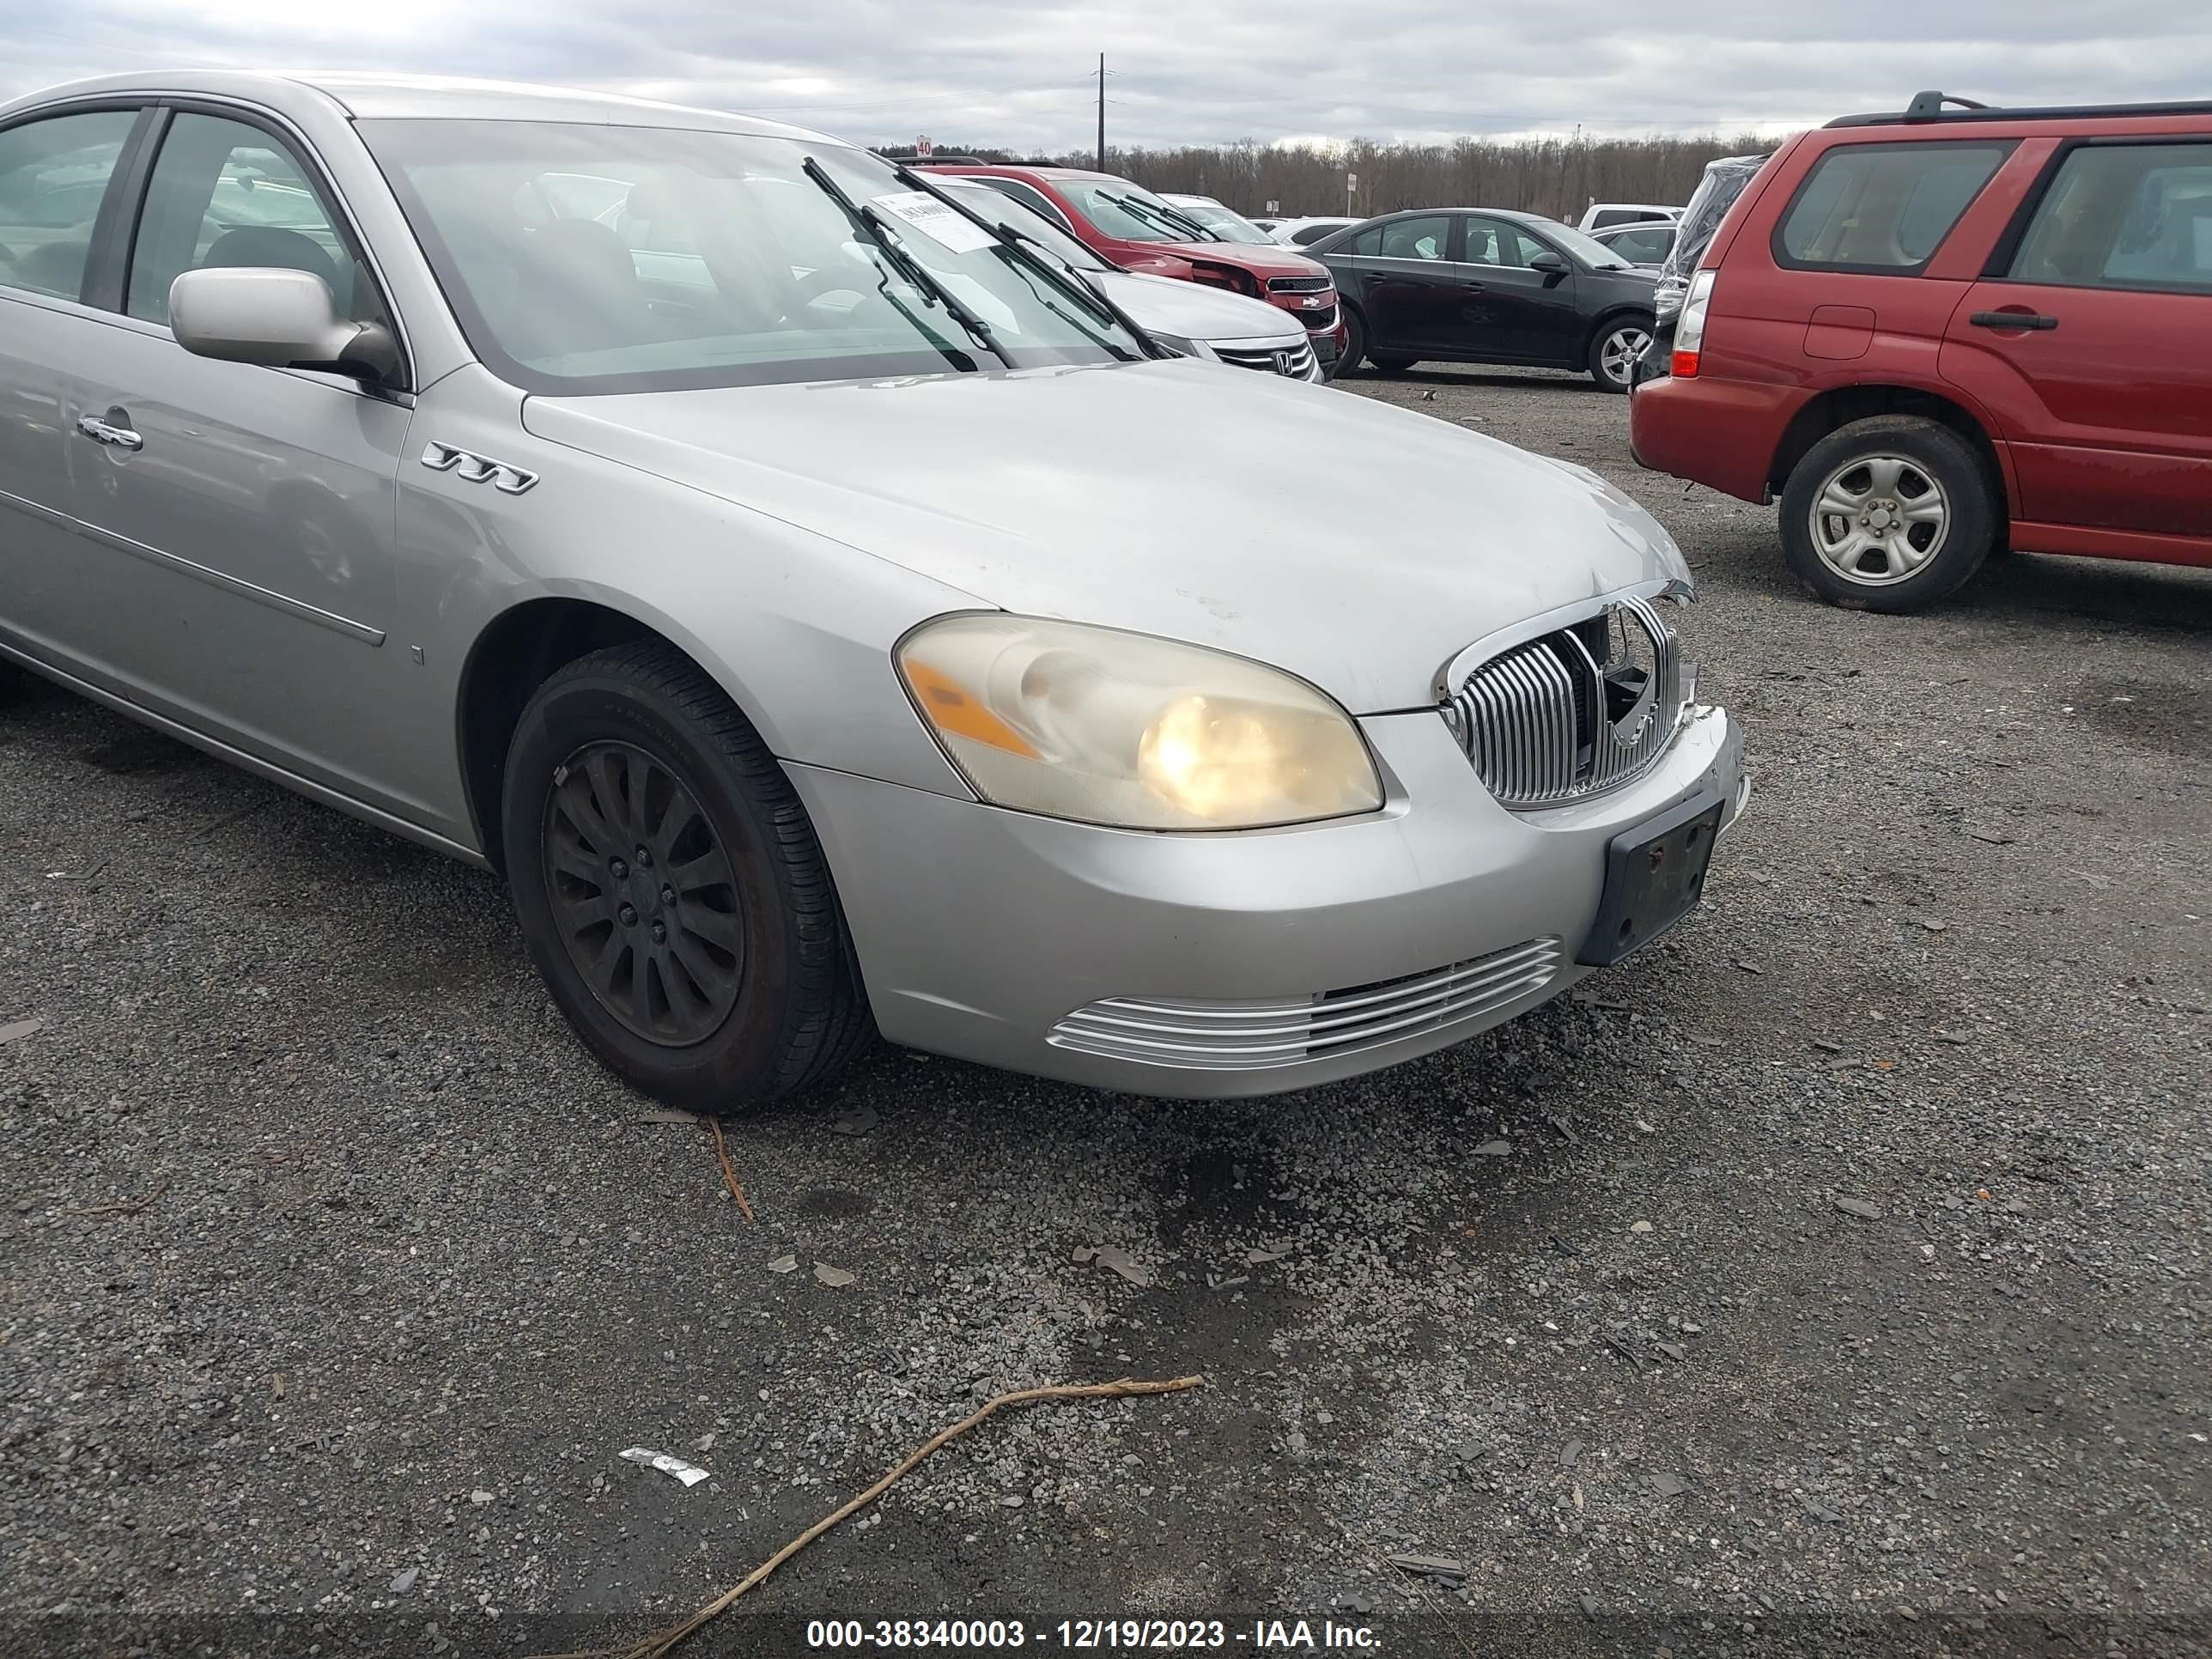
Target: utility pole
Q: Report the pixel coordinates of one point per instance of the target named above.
(1102, 111)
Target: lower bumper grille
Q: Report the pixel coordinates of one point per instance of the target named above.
(1210, 1036)
(1320, 321)
(1296, 362)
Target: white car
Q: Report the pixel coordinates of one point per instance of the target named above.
(1603, 215)
(1304, 233)
(1191, 318)
(1221, 219)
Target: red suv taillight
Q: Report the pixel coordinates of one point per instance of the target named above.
(1690, 326)
(1228, 276)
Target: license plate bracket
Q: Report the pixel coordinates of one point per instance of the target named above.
(1654, 874)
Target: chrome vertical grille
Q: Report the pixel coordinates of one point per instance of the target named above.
(1574, 713)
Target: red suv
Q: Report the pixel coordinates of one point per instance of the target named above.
(1128, 225)
(1951, 331)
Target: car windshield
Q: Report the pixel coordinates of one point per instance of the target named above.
(1584, 247)
(1002, 209)
(1129, 213)
(592, 258)
(1229, 225)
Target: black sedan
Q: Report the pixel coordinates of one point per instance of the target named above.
(1474, 285)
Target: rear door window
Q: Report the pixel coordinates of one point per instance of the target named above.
(2124, 217)
(1874, 207)
(53, 174)
(1428, 237)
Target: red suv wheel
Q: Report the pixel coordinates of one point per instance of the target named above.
(1888, 514)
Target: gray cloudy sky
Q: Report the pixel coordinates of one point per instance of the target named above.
(1007, 73)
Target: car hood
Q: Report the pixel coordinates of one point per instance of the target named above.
(1168, 305)
(1261, 258)
(1358, 545)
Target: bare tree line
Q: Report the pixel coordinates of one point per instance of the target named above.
(1558, 177)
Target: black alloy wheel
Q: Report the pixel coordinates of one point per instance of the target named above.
(644, 894)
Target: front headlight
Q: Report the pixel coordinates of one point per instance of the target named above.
(1123, 729)
(1184, 347)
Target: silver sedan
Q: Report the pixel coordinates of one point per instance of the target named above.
(820, 605)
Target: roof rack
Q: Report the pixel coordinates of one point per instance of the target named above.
(1927, 107)
(908, 158)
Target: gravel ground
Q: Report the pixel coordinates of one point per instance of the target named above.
(1830, 1278)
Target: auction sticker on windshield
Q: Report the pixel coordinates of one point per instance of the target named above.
(935, 221)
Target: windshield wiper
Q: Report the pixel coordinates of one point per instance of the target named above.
(1038, 255)
(1205, 233)
(1162, 217)
(870, 223)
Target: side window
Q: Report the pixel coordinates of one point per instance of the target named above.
(1307, 235)
(1368, 242)
(1426, 237)
(52, 175)
(1883, 207)
(1642, 247)
(2124, 217)
(224, 193)
(1493, 242)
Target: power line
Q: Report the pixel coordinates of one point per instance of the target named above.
(914, 103)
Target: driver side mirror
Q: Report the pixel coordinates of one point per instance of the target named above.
(1549, 263)
(279, 318)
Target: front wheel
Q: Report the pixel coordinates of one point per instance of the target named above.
(1890, 514)
(1355, 342)
(670, 887)
(1618, 346)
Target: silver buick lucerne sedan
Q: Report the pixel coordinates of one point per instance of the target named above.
(823, 608)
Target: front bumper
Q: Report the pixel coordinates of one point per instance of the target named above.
(1316, 320)
(1107, 957)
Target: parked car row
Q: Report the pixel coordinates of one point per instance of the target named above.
(1195, 319)
(1135, 230)
(1939, 333)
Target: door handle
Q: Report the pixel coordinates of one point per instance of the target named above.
(114, 432)
(2026, 320)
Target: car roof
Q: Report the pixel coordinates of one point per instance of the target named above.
(370, 97)
(1932, 108)
(1487, 213)
(1019, 169)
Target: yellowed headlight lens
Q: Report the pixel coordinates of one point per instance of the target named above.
(1124, 729)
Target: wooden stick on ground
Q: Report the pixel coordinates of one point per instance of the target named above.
(138, 1208)
(729, 1175)
(656, 1645)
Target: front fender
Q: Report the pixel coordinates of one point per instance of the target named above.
(797, 628)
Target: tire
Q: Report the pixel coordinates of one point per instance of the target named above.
(1391, 365)
(1615, 349)
(758, 992)
(1355, 342)
(1948, 514)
